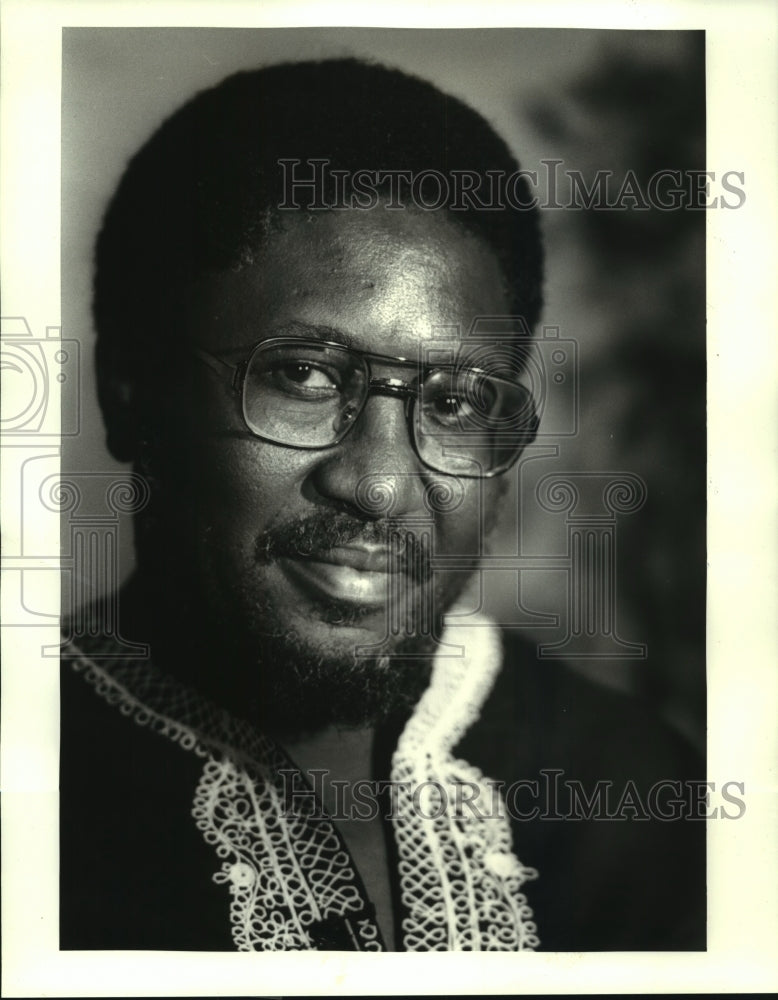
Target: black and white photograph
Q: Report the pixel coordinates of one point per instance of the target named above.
(381, 617)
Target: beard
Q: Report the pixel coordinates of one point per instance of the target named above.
(220, 631)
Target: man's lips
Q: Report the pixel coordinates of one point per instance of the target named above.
(365, 558)
(356, 574)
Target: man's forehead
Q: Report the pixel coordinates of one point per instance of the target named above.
(378, 281)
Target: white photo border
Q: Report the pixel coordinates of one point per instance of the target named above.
(743, 445)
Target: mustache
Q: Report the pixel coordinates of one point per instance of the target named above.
(315, 535)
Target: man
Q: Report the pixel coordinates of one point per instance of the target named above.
(312, 327)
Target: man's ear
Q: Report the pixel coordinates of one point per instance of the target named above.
(117, 393)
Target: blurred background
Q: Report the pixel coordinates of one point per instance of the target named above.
(625, 290)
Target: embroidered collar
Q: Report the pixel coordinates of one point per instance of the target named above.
(291, 881)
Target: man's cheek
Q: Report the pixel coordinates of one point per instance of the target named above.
(460, 532)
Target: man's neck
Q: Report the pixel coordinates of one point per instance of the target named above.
(344, 755)
(347, 756)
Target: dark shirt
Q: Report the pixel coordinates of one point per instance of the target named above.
(136, 872)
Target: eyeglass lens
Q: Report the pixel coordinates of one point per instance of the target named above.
(303, 394)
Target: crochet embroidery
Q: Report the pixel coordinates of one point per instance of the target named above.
(290, 877)
(284, 871)
(459, 880)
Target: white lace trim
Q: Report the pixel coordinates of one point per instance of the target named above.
(459, 879)
(283, 871)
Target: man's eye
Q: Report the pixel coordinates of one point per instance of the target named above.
(449, 404)
(306, 374)
(457, 401)
(448, 407)
(304, 378)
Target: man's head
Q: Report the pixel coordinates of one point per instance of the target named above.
(304, 506)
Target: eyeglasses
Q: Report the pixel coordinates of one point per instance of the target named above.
(309, 394)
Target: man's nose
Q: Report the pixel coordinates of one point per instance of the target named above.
(375, 467)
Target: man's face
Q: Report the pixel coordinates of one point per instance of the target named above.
(281, 545)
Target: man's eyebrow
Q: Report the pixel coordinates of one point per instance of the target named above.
(315, 331)
(296, 328)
